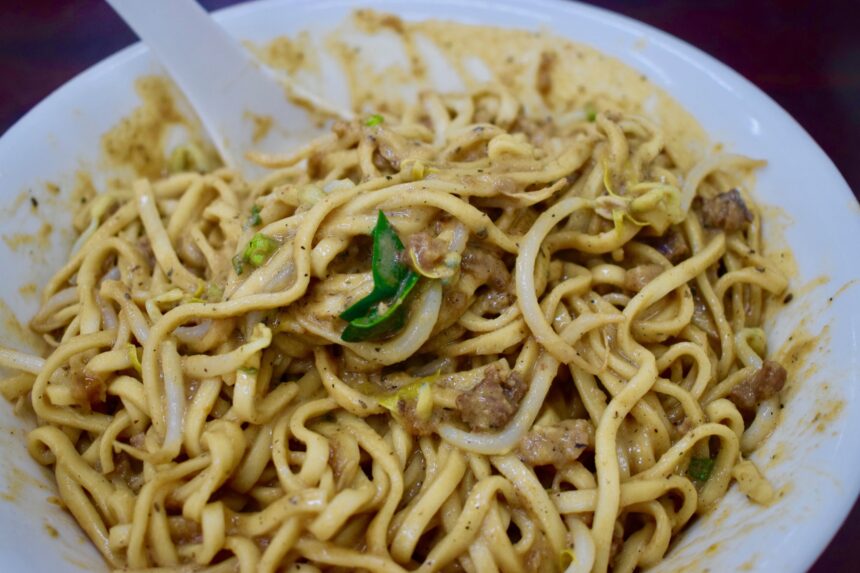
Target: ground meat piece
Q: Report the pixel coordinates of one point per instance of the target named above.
(456, 299)
(395, 148)
(184, 530)
(765, 383)
(490, 404)
(479, 266)
(544, 73)
(412, 422)
(744, 396)
(486, 266)
(496, 301)
(556, 445)
(636, 278)
(429, 251)
(138, 440)
(702, 317)
(672, 245)
(515, 388)
(88, 389)
(726, 211)
(122, 466)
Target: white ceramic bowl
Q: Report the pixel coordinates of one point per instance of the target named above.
(816, 449)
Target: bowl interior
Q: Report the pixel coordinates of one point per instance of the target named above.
(812, 458)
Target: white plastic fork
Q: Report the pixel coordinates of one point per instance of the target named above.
(220, 79)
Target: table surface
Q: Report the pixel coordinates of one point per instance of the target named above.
(805, 55)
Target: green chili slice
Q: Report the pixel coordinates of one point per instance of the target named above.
(388, 270)
(383, 319)
(382, 311)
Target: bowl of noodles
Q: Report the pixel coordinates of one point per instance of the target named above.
(563, 293)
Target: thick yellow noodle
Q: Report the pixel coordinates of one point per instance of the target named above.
(196, 417)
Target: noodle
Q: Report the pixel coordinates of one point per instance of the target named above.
(579, 370)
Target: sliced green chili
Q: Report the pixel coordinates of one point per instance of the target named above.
(700, 468)
(254, 220)
(383, 319)
(388, 270)
(382, 311)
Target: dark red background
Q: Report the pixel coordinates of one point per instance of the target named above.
(804, 54)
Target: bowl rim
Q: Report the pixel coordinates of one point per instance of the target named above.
(672, 43)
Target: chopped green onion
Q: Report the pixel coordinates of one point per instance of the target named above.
(590, 112)
(214, 292)
(607, 179)
(416, 390)
(259, 249)
(254, 220)
(374, 119)
(700, 468)
(238, 264)
(414, 170)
